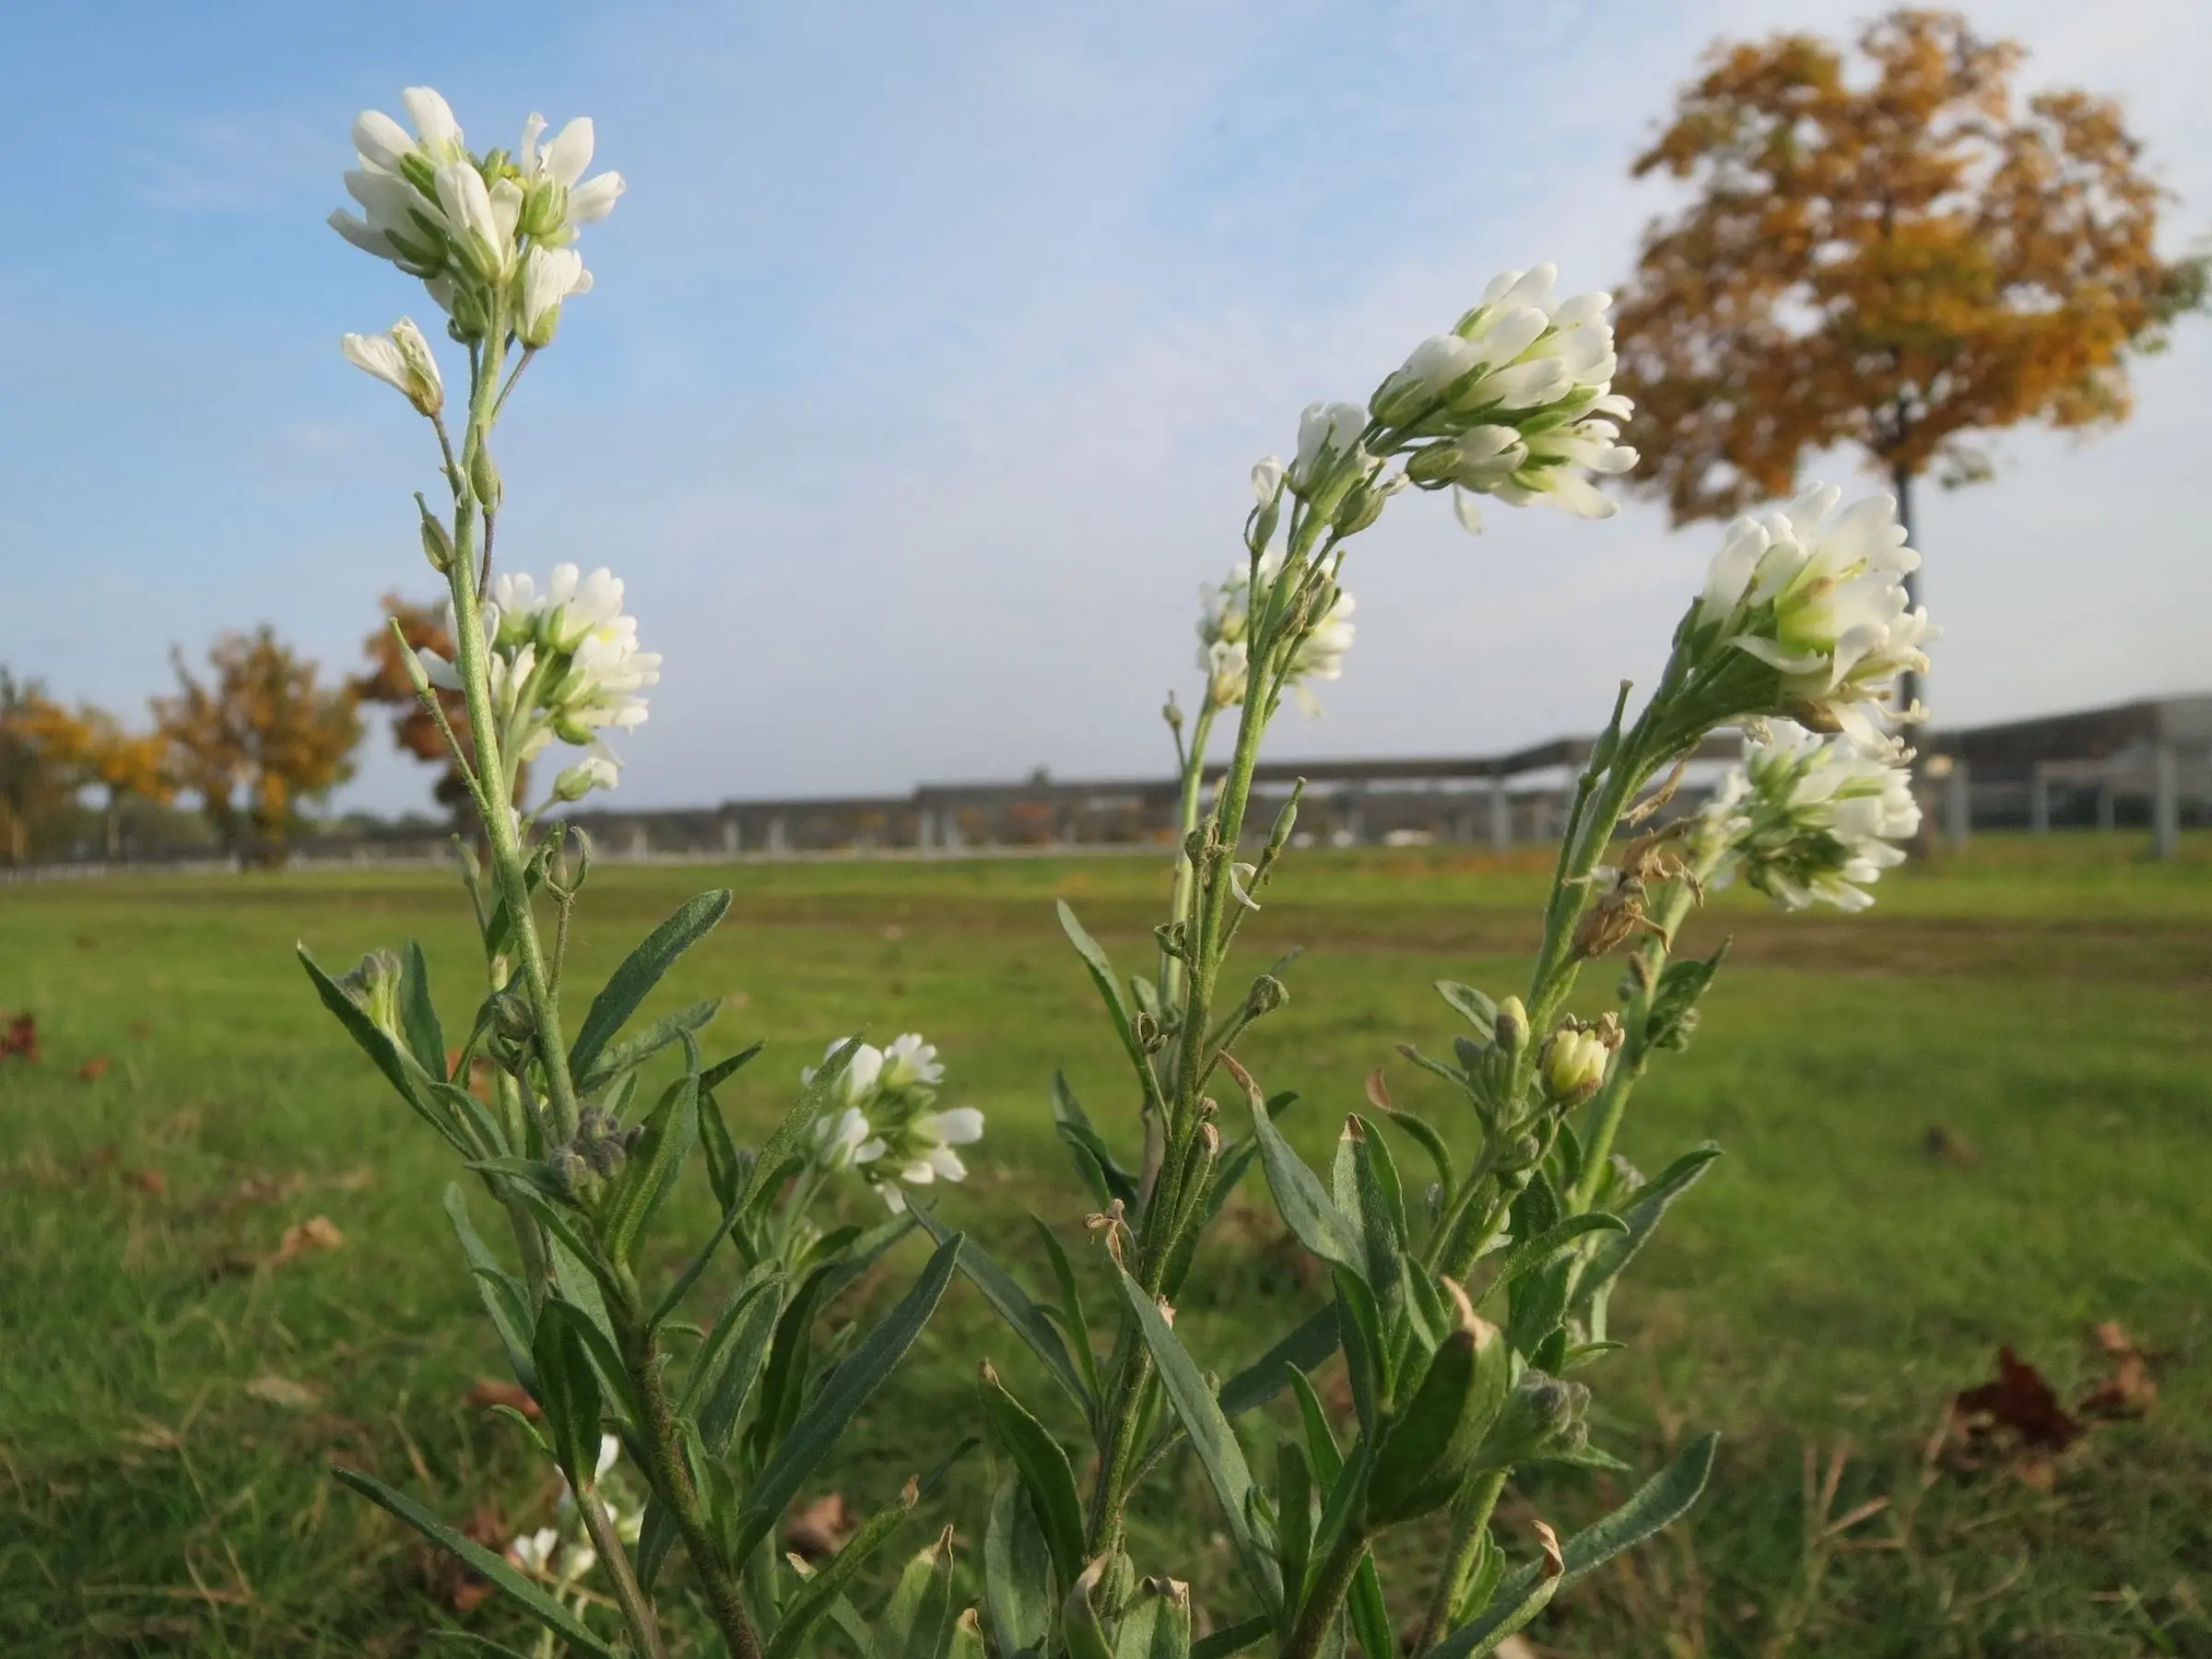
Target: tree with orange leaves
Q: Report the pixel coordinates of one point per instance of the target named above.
(1903, 266)
(414, 727)
(261, 723)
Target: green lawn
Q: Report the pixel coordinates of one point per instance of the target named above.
(2043, 1004)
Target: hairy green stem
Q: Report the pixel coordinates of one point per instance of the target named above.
(636, 1611)
(1330, 1587)
(1470, 1520)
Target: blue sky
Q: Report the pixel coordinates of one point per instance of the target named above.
(929, 350)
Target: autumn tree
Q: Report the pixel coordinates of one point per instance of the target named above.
(1902, 263)
(123, 765)
(35, 781)
(387, 682)
(257, 739)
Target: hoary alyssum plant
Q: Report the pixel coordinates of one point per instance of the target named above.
(1473, 1264)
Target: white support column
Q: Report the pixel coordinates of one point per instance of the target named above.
(779, 837)
(1501, 815)
(2106, 816)
(2039, 800)
(732, 836)
(2165, 802)
(1957, 804)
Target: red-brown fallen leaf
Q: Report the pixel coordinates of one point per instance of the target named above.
(2019, 1407)
(92, 1070)
(821, 1528)
(21, 1039)
(490, 1391)
(142, 1028)
(2129, 1390)
(304, 1238)
(447, 1579)
(145, 1180)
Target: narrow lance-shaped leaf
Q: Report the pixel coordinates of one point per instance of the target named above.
(1210, 1437)
(1045, 1471)
(820, 1591)
(1018, 1588)
(846, 1390)
(418, 1014)
(1019, 1309)
(639, 972)
(1307, 1208)
(633, 1051)
(532, 1600)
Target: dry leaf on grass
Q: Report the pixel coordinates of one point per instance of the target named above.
(2129, 1390)
(2020, 1409)
(304, 1238)
(821, 1528)
(284, 1392)
(93, 1070)
(489, 1392)
(145, 1180)
(21, 1039)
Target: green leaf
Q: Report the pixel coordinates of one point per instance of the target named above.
(633, 1051)
(1294, 1501)
(1017, 1590)
(502, 1294)
(842, 1394)
(418, 1014)
(399, 1066)
(722, 1071)
(1157, 1625)
(1366, 1364)
(654, 1167)
(1232, 1638)
(790, 1354)
(1642, 1214)
(1305, 1348)
(1103, 976)
(1369, 1613)
(1426, 1453)
(1210, 1437)
(1536, 1251)
(532, 1600)
(1304, 1203)
(728, 1362)
(1044, 1470)
(568, 1390)
(1081, 1628)
(639, 972)
(1094, 1161)
(1472, 1006)
(1071, 1304)
(1429, 1141)
(1661, 1501)
(918, 1623)
(817, 1594)
(788, 1138)
(1019, 1309)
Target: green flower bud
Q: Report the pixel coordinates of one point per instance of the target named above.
(512, 1018)
(373, 987)
(1573, 1065)
(1511, 1030)
(1268, 994)
(544, 208)
(484, 478)
(1542, 1418)
(437, 545)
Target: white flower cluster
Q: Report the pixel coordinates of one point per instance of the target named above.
(1808, 819)
(549, 1555)
(490, 235)
(565, 664)
(1819, 596)
(1516, 402)
(1225, 626)
(887, 1126)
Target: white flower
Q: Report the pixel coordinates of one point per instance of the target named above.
(401, 358)
(533, 1552)
(1820, 597)
(1808, 819)
(909, 1062)
(857, 1082)
(1225, 623)
(610, 1449)
(844, 1140)
(1328, 434)
(961, 1126)
(1267, 480)
(577, 1561)
(549, 277)
(593, 771)
(1516, 402)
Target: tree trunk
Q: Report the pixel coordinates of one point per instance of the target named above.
(1909, 682)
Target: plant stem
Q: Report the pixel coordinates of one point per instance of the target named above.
(1470, 1521)
(672, 1481)
(637, 1611)
(1612, 1100)
(1330, 1588)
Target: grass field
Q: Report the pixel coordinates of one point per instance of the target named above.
(169, 1401)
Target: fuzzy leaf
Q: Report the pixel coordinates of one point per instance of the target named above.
(1017, 1590)
(1019, 1309)
(1045, 1471)
(639, 972)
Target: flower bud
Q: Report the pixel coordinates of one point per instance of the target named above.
(593, 771)
(1259, 524)
(1362, 504)
(569, 862)
(1268, 994)
(437, 545)
(484, 478)
(373, 987)
(567, 1172)
(511, 1018)
(544, 208)
(1573, 1065)
(470, 321)
(1542, 1417)
(1511, 1030)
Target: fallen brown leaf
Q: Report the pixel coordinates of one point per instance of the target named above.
(303, 1238)
(2015, 1419)
(145, 1180)
(821, 1528)
(489, 1392)
(92, 1070)
(2129, 1390)
(21, 1039)
(284, 1392)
